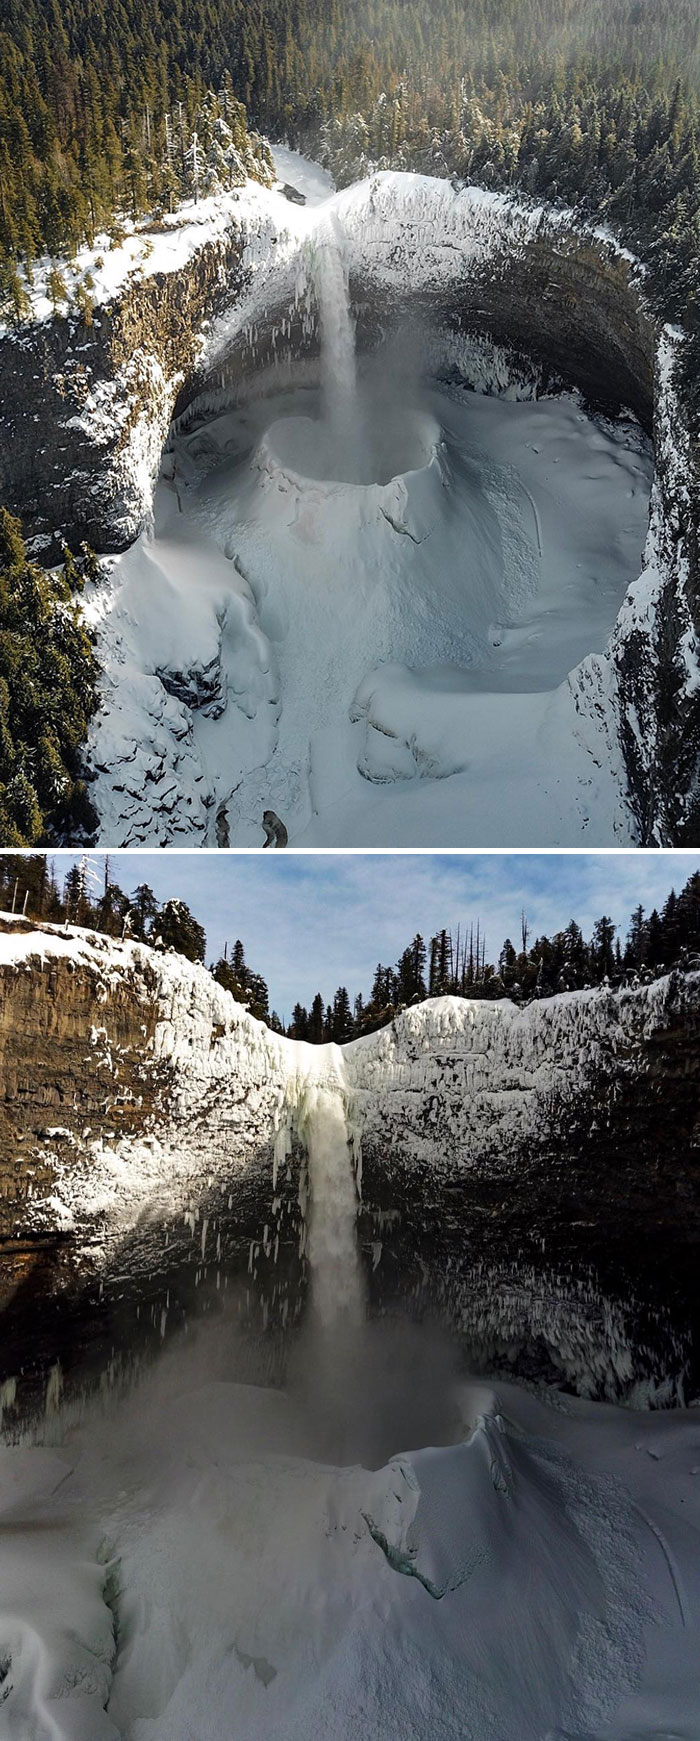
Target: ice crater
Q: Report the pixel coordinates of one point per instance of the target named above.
(376, 451)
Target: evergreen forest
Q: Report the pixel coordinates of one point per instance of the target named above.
(452, 963)
(48, 693)
(114, 109)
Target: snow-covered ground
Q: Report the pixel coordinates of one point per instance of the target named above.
(187, 1565)
(380, 664)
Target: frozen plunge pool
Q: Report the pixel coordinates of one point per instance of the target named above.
(197, 1559)
(376, 650)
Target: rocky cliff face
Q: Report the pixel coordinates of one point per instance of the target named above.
(655, 649)
(103, 1046)
(74, 1045)
(569, 306)
(137, 1127)
(86, 408)
(572, 1128)
(518, 1167)
(595, 1091)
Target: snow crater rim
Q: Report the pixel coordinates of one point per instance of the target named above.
(307, 453)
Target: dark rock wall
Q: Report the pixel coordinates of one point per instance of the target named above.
(73, 1057)
(61, 473)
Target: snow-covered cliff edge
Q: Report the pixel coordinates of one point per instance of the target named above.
(105, 1042)
(469, 1082)
(492, 1144)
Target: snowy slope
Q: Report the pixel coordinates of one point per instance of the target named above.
(533, 1574)
(448, 605)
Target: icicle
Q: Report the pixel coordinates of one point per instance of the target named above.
(8, 1396)
(54, 1387)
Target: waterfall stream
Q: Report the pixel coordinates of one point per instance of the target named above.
(336, 1278)
(338, 358)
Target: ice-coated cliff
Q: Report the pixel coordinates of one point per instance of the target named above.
(509, 1169)
(455, 1082)
(473, 1081)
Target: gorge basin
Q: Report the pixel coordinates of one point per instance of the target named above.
(358, 1534)
(198, 1555)
(370, 632)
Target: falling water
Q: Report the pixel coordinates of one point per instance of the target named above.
(364, 1387)
(338, 361)
(336, 1279)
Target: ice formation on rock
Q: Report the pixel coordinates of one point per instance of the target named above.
(501, 723)
(494, 1067)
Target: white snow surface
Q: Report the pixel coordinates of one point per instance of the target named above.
(379, 663)
(533, 1574)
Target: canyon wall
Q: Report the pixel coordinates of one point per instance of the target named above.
(574, 1123)
(533, 1176)
(105, 1046)
(584, 1105)
(86, 409)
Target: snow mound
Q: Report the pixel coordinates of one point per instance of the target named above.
(57, 1641)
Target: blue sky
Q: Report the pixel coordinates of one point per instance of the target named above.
(313, 921)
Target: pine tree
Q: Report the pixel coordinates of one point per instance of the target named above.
(299, 1029)
(178, 929)
(57, 287)
(341, 1023)
(14, 301)
(48, 691)
(316, 1021)
(258, 999)
(143, 908)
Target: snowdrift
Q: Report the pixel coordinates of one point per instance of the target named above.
(525, 1581)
